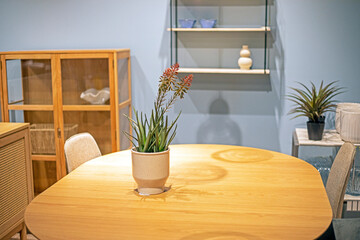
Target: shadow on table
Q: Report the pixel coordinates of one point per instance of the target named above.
(242, 155)
(196, 173)
(220, 235)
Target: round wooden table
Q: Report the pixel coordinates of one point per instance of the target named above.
(215, 192)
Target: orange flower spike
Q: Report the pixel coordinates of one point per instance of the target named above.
(188, 80)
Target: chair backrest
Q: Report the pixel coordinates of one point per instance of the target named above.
(339, 176)
(80, 148)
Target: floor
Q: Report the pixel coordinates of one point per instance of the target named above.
(17, 237)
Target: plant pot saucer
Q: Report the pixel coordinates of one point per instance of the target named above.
(151, 191)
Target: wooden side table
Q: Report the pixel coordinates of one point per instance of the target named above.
(330, 139)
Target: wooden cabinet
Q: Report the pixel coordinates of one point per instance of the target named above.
(15, 177)
(50, 90)
(216, 50)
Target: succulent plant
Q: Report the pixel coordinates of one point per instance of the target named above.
(313, 103)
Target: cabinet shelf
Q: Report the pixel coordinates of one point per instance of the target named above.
(245, 29)
(49, 158)
(224, 71)
(31, 107)
(86, 107)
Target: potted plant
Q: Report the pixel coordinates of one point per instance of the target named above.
(154, 133)
(313, 103)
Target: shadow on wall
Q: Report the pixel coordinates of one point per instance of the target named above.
(219, 128)
(164, 53)
(141, 82)
(277, 67)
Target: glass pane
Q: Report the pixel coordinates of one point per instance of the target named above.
(95, 123)
(85, 81)
(42, 133)
(29, 81)
(44, 175)
(124, 127)
(123, 85)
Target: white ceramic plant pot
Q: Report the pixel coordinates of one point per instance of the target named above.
(350, 125)
(341, 106)
(245, 62)
(150, 171)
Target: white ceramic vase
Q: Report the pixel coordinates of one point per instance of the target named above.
(150, 171)
(339, 108)
(245, 62)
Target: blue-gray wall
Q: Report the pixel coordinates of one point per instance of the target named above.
(313, 41)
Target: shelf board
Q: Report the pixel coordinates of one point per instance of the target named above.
(51, 158)
(224, 71)
(124, 104)
(31, 107)
(349, 197)
(86, 107)
(244, 29)
(65, 107)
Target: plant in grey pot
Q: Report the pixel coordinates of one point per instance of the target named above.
(154, 133)
(313, 103)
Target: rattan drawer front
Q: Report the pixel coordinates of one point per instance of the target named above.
(13, 185)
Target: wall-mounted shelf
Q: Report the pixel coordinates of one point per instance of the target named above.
(197, 52)
(245, 29)
(224, 71)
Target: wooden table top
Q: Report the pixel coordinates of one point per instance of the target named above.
(217, 192)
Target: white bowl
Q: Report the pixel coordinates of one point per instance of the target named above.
(95, 96)
(341, 106)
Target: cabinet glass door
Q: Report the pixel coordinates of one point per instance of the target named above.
(97, 123)
(29, 98)
(42, 136)
(124, 104)
(85, 81)
(86, 99)
(29, 81)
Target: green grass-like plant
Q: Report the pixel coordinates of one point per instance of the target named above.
(313, 103)
(155, 133)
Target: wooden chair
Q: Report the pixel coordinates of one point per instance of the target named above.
(80, 148)
(339, 176)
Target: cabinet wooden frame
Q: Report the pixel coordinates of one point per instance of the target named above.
(2, 105)
(58, 108)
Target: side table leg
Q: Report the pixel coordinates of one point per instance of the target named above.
(295, 147)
